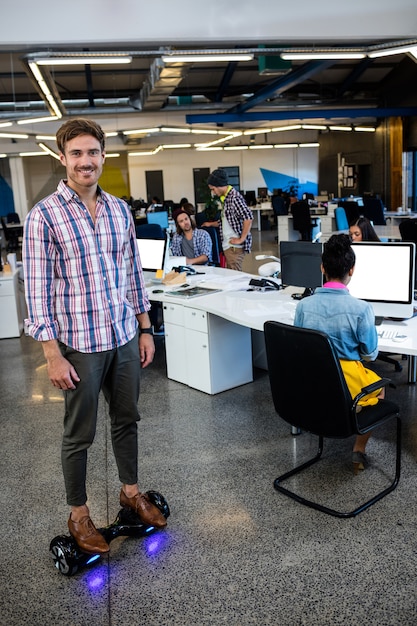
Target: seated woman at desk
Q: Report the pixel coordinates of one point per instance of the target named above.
(193, 243)
(362, 230)
(349, 322)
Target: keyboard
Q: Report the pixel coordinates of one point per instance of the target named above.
(394, 335)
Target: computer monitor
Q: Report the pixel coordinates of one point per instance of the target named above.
(384, 276)
(159, 217)
(262, 192)
(250, 198)
(152, 253)
(301, 264)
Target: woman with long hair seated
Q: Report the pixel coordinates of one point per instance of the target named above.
(362, 230)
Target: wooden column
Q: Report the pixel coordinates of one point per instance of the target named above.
(395, 126)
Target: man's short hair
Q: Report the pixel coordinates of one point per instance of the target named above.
(76, 127)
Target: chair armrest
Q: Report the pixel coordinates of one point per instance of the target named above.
(369, 389)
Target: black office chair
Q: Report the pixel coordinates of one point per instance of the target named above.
(351, 209)
(302, 220)
(149, 231)
(216, 244)
(373, 209)
(11, 235)
(408, 230)
(309, 392)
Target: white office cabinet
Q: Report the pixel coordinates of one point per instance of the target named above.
(174, 342)
(11, 314)
(205, 351)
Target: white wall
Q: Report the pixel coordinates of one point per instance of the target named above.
(177, 166)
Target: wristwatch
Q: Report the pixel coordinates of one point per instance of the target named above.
(147, 331)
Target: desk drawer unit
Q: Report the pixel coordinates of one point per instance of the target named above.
(205, 351)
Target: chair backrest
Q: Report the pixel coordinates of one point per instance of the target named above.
(217, 246)
(351, 209)
(408, 230)
(279, 205)
(302, 219)
(4, 227)
(307, 383)
(149, 231)
(373, 209)
(159, 217)
(341, 219)
(13, 218)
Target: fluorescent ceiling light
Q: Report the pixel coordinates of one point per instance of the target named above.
(35, 120)
(45, 137)
(313, 127)
(258, 131)
(306, 56)
(281, 128)
(84, 60)
(265, 147)
(111, 134)
(44, 88)
(365, 129)
(390, 51)
(141, 131)
(202, 148)
(206, 58)
(176, 145)
(347, 128)
(309, 145)
(145, 153)
(29, 154)
(5, 124)
(3, 156)
(204, 131)
(109, 155)
(48, 151)
(236, 147)
(13, 136)
(169, 129)
(286, 145)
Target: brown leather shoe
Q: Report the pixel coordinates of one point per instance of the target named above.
(87, 536)
(143, 507)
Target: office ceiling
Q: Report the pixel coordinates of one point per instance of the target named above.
(255, 94)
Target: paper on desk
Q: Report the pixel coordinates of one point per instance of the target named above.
(224, 283)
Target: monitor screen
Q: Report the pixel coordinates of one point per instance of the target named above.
(159, 217)
(152, 253)
(384, 276)
(301, 264)
(262, 192)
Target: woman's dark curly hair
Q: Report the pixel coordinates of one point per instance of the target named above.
(338, 257)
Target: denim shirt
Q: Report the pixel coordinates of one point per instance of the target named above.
(349, 322)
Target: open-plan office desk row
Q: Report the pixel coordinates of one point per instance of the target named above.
(212, 341)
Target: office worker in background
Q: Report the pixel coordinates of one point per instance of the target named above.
(236, 220)
(362, 230)
(193, 243)
(86, 297)
(350, 324)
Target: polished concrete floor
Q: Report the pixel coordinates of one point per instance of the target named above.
(235, 551)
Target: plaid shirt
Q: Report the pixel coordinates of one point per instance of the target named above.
(83, 280)
(201, 243)
(236, 211)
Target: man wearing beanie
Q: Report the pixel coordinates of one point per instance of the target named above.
(193, 243)
(236, 220)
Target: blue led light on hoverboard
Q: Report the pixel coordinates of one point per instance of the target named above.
(93, 558)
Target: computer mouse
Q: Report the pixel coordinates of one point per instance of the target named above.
(158, 291)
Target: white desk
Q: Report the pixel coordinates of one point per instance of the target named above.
(220, 357)
(266, 207)
(12, 303)
(326, 224)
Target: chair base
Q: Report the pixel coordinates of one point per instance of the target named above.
(328, 510)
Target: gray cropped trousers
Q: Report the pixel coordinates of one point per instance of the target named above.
(117, 373)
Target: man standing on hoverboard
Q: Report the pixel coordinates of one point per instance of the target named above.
(86, 298)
